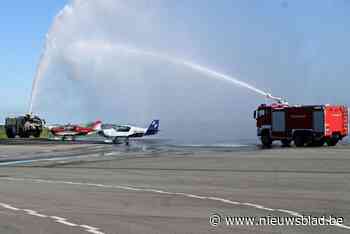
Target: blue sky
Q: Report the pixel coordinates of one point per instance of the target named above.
(23, 28)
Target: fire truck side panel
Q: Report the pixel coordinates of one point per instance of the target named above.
(318, 121)
(278, 124)
(336, 120)
(346, 120)
(279, 121)
(299, 118)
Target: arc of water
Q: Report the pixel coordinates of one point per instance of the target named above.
(69, 9)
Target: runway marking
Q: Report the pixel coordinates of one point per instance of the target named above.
(8, 207)
(56, 219)
(187, 195)
(34, 213)
(63, 221)
(91, 229)
(26, 161)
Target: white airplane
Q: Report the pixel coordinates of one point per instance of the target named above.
(124, 132)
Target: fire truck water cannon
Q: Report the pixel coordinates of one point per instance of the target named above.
(279, 100)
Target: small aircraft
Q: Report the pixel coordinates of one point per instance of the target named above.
(125, 132)
(74, 130)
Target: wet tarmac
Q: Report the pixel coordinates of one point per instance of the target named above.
(152, 187)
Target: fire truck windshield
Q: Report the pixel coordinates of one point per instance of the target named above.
(261, 113)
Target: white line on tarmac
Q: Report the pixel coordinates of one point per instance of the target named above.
(9, 207)
(25, 161)
(187, 195)
(56, 219)
(34, 213)
(63, 221)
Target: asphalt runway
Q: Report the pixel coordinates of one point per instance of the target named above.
(92, 187)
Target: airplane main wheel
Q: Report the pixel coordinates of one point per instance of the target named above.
(115, 140)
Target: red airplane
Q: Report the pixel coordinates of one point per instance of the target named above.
(73, 130)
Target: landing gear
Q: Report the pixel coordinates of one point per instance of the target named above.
(117, 142)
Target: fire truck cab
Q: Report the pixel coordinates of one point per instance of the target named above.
(305, 125)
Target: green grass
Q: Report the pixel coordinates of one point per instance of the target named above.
(2, 132)
(45, 133)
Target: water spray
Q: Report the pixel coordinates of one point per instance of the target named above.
(49, 44)
(50, 48)
(107, 47)
(101, 45)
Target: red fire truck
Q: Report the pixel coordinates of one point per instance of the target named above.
(305, 125)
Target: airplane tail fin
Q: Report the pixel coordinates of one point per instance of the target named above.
(97, 126)
(153, 129)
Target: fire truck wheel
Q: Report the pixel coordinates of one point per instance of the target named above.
(318, 143)
(285, 142)
(266, 139)
(24, 135)
(299, 141)
(11, 133)
(20, 133)
(332, 142)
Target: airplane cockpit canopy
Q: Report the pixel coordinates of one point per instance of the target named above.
(116, 127)
(109, 126)
(123, 129)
